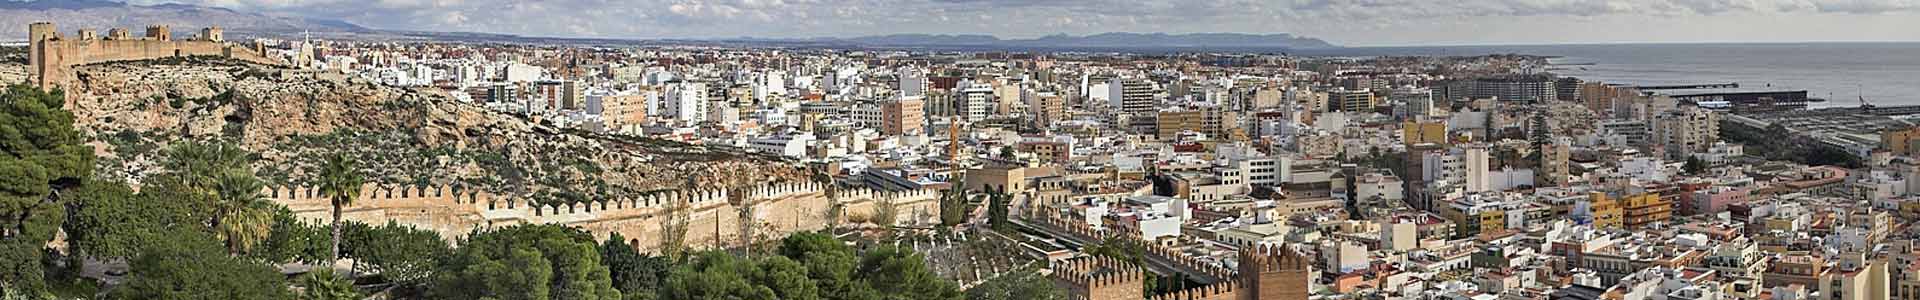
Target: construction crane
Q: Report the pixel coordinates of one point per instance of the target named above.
(1866, 107)
(953, 146)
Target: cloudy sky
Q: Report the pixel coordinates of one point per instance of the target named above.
(1344, 22)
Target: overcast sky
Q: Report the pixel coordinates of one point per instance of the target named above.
(1343, 22)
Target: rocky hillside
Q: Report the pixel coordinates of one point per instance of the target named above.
(290, 118)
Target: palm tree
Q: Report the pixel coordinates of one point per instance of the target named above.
(242, 216)
(323, 284)
(340, 182)
(218, 173)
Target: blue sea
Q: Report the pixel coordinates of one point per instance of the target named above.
(1884, 73)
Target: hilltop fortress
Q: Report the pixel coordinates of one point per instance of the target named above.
(712, 216)
(52, 56)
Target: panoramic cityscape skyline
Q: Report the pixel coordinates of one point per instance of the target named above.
(1346, 23)
(886, 150)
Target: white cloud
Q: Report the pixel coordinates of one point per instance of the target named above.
(1331, 19)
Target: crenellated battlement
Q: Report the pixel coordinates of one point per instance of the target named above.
(1219, 291)
(51, 56)
(1102, 277)
(455, 210)
(1176, 255)
(1273, 258)
(1265, 271)
(448, 195)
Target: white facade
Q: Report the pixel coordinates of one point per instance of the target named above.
(1154, 228)
(687, 102)
(976, 101)
(912, 83)
(519, 72)
(794, 145)
(1644, 168)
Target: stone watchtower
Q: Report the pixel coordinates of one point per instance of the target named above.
(119, 34)
(41, 31)
(213, 34)
(160, 33)
(1100, 278)
(1274, 273)
(39, 35)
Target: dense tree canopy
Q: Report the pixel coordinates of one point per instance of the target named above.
(525, 262)
(1023, 284)
(324, 284)
(111, 222)
(400, 253)
(634, 274)
(40, 156)
(192, 265)
(809, 266)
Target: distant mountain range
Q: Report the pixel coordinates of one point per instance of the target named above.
(1103, 40)
(100, 15)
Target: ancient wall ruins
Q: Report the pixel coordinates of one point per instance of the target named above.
(776, 209)
(51, 56)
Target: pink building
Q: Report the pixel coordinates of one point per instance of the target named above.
(1713, 200)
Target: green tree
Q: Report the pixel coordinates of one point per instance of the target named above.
(40, 157)
(903, 274)
(190, 265)
(831, 264)
(798, 245)
(714, 275)
(340, 182)
(109, 221)
(216, 179)
(1022, 284)
(1694, 165)
(525, 262)
(400, 253)
(787, 278)
(637, 276)
(244, 217)
(953, 205)
(324, 284)
(292, 240)
(834, 273)
(998, 203)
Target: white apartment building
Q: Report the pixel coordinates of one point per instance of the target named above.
(1133, 96)
(687, 102)
(788, 145)
(976, 101)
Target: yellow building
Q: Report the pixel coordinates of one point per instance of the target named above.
(1856, 277)
(1647, 208)
(1424, 133)
(1353, 100)
(1606, 211)
(1900, 141)
(1493, 221)
(1171, 123)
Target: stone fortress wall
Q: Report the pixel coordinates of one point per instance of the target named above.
(776, 210)
(1264, 272)
(51, 56)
